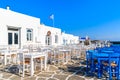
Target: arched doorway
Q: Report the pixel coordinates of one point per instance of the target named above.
(48, 38)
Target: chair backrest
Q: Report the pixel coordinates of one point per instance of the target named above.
(114, 58)
(117, 49)
(4, 47)
(89, 55)
(25, 51)
(20, 58)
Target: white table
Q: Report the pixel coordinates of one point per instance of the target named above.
(65, 51)
(36, 55)
(7, 53)
(77, 52)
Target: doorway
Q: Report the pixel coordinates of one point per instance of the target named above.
(48, 38)
(13, 37)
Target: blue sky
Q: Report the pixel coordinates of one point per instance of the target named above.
(99, 19)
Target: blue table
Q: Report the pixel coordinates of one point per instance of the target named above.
(107, 51)
(100, 57)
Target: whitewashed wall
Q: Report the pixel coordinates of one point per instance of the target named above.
(13, 19)
(70, 39)
(10, 18)
(43, 29)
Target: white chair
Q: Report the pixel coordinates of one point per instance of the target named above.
(13, 56)
(23, 63)
(3, 49)
(1, 58)
(39, 63)
(6, 56)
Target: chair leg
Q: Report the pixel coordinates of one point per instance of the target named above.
(23, 71)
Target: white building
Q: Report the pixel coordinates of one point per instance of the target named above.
(49, 35)
(69, 39)
(18, 29)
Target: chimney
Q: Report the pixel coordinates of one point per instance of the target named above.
(8, 8)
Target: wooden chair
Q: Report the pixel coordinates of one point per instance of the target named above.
(112, 66)
(1, 58)
(39, 62)
(23, 63)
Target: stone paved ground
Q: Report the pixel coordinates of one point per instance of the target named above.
(75, 70)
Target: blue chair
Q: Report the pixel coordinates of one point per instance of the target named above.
(87, 61)
(90, 62)
(112, 66)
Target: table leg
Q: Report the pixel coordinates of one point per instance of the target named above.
(66, 57)
(45, 62)
(32, 66)
(119, 71)
(5, 59)
(63, 57)
(99, 69)
(41, 63)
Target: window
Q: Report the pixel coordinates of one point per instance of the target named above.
(12, 37)
(56, 38)
(48, 40)
(29, 34)
(15, 38)
(9, 38)
(64, 41)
